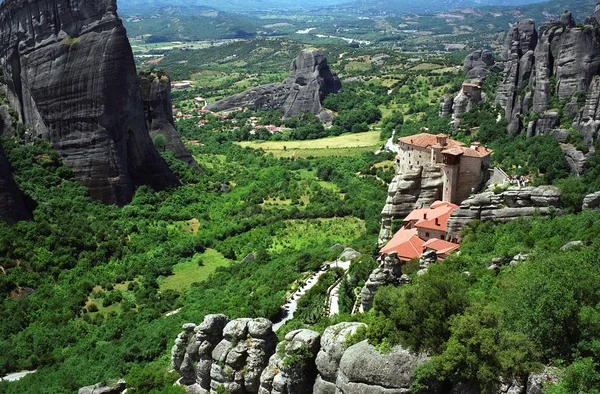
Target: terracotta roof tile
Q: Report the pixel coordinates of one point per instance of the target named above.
(425, 140)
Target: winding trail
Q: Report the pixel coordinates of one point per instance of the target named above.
(13, 377)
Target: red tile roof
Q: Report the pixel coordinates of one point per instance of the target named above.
(406, 243)
(441, 246)
(452, 147)
(425, 140)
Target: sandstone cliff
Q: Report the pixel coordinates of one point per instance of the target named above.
(514, 203)
(310, 80)
(71, 76)
(242, 356)
(551, 77)
(156, 95)
(12, 203)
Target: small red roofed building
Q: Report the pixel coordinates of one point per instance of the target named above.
(465, 168)
(423, 230)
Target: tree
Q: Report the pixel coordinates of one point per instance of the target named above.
(160, 142)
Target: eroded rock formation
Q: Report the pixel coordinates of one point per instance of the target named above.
(551, 77)
(71, 77)
(389, 272)
(242, 356)
(514, 203)
(416, 188)
(12, 203)
(156, 95)
(292, 368)
(310, 80)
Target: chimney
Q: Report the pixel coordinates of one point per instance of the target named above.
(475, 145)
(442, 139)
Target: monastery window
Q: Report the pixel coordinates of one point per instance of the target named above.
(427, 234)
(443, 237)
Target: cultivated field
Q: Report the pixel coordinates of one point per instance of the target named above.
(343, 145)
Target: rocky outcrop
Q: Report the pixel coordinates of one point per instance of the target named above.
(12, 202)
(514, 203)
(416, 188)
(310, 80)
(446, 104)
(222, 354)
(537, 382)
(364, 370)
(518, 55)
(479, 63)
(333, 346)
(553, 71)
(155, 87)
(592, 201)
(117, 388)
(576, 159)
(389, 272)
(71, 77)
(292, 368)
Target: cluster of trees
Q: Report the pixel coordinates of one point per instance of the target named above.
(484, 325)
(97, 308)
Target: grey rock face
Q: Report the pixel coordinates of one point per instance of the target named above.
(71, 77)
(592, 201)
(156, 95)
(349, 254)
(482, 58)
(364, 370)
(116, 388)
(310, 80)
(389, 272)
(537, 382)
(417, 188)
(576, 159)
(566, 55)
(511, 204)
(446, 104)
(333, 346)
(223, 353)
(12, 204)
(292, 369)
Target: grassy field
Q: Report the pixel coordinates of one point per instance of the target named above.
(343, 145)
(300, 234)
(184, 274)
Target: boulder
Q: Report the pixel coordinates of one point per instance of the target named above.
(364, 370)
(116, 388)
(571, 245)
(592, 201)
(333, 346)
(349, 254)
(389, 272)
(79, 91)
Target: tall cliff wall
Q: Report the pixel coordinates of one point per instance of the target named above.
(156, 95)
(551, 77)
(310, 80)
(416, 188)
(71, 76)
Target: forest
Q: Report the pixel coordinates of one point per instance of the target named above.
(93, 293)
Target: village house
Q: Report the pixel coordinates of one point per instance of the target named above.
(424, 230)
(465, 168)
